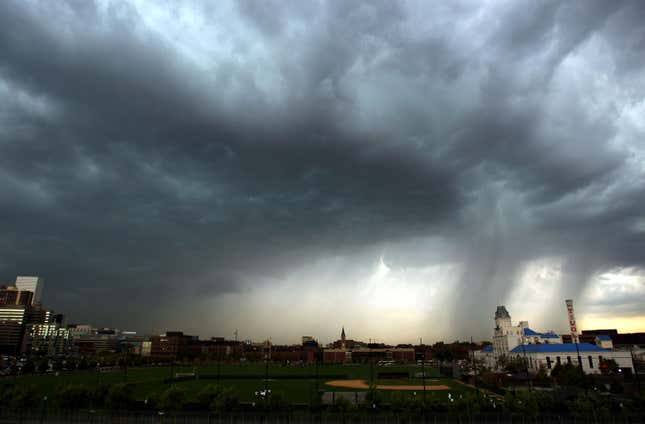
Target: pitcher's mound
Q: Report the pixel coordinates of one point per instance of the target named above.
(361, 384)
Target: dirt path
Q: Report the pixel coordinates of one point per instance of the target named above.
(361, 384)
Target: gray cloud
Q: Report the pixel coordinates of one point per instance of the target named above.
(184, 158)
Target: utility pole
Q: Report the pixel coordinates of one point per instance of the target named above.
(219, 361)
(472, 352)
(125, 368)
(371, 366)
(423, 370)
(638, 381)
(526, 366)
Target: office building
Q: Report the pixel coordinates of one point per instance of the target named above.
(12, 296)
(12, 327)
(32, 284)
(47, 339)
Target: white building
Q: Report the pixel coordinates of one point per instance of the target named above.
(506, 335)
(546, 350)
(32, 284)
(547, 356)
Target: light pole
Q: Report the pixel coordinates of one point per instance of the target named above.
(423, 373)
(266, 374)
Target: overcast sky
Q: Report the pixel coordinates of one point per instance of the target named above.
(289, 167)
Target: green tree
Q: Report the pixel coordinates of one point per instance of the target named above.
(342, 404)
(373, 397)
(608, 366)
(173, 399)
(542, 379)
(72, 396)
(207, 395)
(23, 397)
(521, 403)
(515, 365)
(120, 397)
(225, 401)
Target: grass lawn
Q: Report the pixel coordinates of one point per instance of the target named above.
(297, 384)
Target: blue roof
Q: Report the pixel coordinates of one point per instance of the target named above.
(529, 332)
(604, 337)
(557, 347)
(488, 348)
(550, 336)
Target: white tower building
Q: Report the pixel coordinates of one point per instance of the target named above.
(506, 336)
(32, 284)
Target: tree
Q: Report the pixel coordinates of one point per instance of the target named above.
(207, 395)
(173, 399)
(608, 366)
(521, 403)
(515, 365)
(119, 397)
(23, 397)
(373, 397)
(342, 404)
(225, 401)
(542, 378)
(71, 397)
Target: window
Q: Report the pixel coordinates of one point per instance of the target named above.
(548, 362)
(569, 360)
(590, 362)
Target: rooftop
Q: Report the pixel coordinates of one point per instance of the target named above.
(549, 335)
(557, 347)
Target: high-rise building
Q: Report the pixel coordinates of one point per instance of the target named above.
(32, 284)
(47, 339)
(12, 296)
(12, 328)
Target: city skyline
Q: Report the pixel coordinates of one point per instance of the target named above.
(400, 168)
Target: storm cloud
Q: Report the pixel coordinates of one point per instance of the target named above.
(286, 168)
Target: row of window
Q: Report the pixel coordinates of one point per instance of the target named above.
(559, 362)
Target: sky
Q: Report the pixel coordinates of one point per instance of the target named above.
(286, 168)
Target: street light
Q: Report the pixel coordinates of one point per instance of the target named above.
(266, 373)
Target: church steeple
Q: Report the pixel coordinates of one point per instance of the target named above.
(342, 334)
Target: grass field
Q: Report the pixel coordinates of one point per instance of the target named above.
(296, 384)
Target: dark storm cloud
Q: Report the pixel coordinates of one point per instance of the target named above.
(126, 163)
